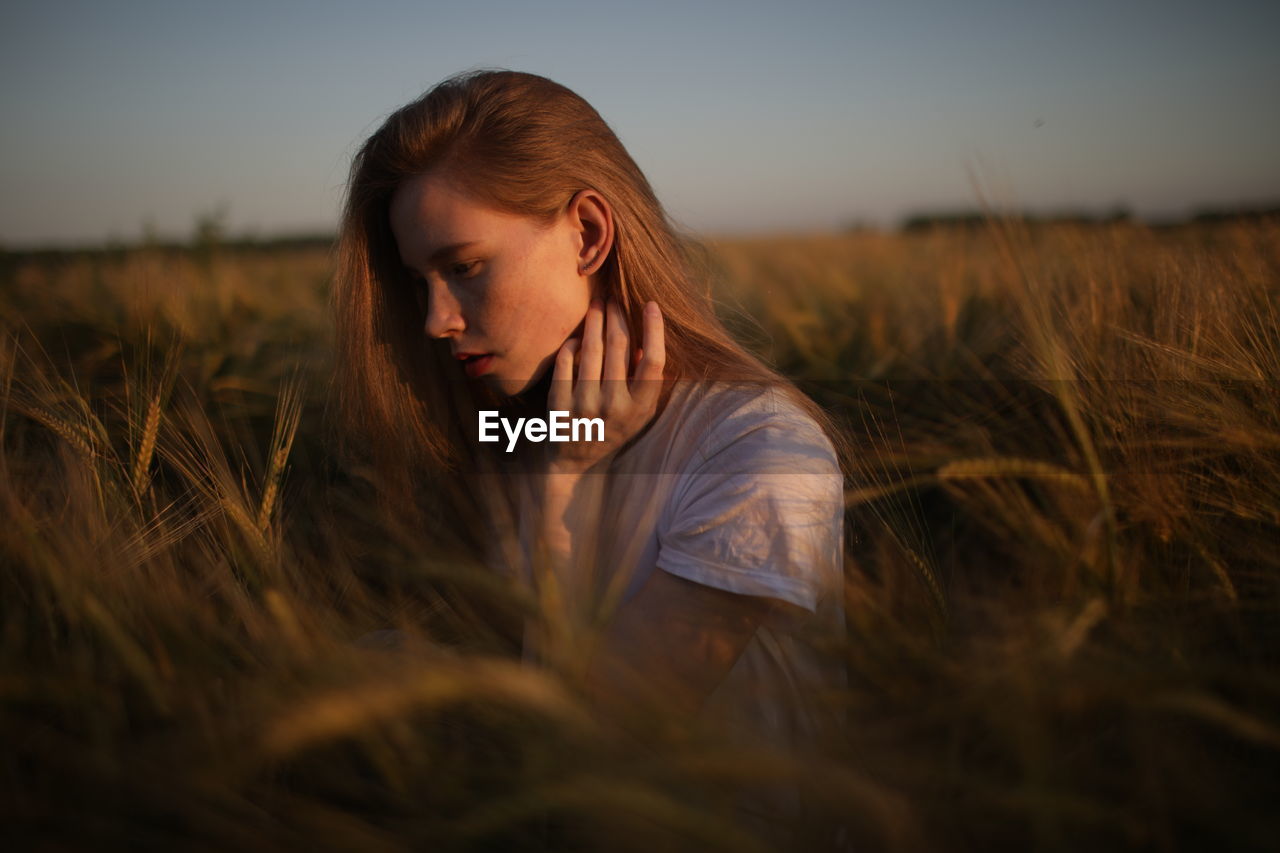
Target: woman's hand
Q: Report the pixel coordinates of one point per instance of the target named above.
(672, 644)
(601, 389)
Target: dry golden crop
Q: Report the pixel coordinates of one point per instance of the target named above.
(1062, 580)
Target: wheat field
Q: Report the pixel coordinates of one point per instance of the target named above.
(1062, 569)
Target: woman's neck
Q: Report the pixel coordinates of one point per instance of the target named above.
(532, 403)
(529, 403)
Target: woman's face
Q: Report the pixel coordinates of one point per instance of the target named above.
(492, 283)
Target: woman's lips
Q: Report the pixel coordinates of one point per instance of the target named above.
(478, 365)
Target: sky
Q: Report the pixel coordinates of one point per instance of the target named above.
(131, 118)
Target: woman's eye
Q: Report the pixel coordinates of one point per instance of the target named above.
(464, 268)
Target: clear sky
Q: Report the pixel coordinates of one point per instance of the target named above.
(746, 116)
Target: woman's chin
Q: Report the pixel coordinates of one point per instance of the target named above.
(525, 391)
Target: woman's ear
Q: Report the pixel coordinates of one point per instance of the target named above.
(592, 217)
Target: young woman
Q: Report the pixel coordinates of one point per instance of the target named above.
(502, 257)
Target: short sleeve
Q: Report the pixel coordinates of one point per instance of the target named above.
(761, 511)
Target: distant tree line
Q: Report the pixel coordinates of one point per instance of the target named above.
(208, 244)
(975, 219)
(210, 236)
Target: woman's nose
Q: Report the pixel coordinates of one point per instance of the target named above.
(444, 313)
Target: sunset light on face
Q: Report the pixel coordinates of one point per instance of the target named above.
(512, 296)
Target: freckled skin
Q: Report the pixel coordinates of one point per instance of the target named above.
(521, 302)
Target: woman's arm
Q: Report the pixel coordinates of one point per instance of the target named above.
(590, 379)
(676, 640)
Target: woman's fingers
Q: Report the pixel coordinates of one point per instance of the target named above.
(648, 382)
(604, 356)
(561, 395)
(617, 347)
(587, 390)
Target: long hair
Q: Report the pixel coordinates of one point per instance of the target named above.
(522, 144)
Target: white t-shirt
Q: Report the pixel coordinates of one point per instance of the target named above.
(735, 487)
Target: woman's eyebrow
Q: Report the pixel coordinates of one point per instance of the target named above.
(442, 253)
(452, 248)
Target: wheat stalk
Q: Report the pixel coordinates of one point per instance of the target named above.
(980, 468)
(288, 416)
(142, 462)
(79, 438)
(340, 713)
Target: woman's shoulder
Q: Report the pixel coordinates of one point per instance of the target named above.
(716, 426)
(760, 426)
(757, 506)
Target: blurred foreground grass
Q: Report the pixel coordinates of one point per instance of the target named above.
(1063, 580)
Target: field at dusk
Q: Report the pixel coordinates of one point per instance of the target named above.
(1062, 577)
